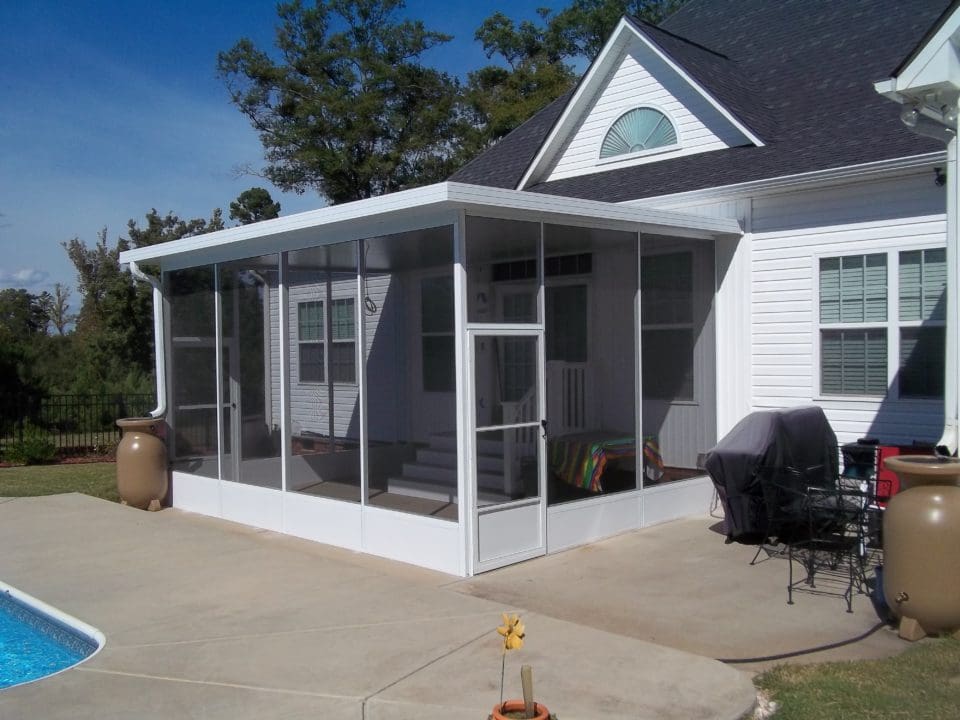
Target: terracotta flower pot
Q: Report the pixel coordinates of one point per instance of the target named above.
(500, 712)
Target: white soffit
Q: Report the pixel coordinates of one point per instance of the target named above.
(423, 208)
(592, 83)
(935, 65)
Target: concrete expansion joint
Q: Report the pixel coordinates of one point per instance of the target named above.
(451, 651)
(215, 683)
(298, 631)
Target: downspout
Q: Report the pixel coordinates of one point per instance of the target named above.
(944, 128)
(158, 344)
(950, 440)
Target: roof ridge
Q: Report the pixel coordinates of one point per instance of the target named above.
(644, 24)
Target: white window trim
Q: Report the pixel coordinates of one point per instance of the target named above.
(892, 324)
(626, 157)
(327, 329)
(424, 333)
(694, 279)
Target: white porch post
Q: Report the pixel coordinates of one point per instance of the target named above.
(463, 383)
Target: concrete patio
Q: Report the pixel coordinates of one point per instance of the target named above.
(208, 619)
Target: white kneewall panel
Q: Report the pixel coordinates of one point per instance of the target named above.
(642, 78)
(514, 531)
(252, 505)
(677, 500)
(415, 539)
(322, 520)
(195, 493)
(578, 523)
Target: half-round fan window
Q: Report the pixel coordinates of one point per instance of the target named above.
(637, 130)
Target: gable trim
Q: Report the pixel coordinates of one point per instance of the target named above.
(595, 74)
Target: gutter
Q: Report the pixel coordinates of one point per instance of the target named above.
(158, 344)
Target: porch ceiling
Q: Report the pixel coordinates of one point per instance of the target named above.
(421, 208)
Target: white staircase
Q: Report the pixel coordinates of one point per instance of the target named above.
(433, 475)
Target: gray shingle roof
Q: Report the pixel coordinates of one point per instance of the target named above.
(798, 73)
(504, 164)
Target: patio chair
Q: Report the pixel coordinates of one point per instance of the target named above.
(821, 524)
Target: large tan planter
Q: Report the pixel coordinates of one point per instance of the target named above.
(142, 463)
(921, 537)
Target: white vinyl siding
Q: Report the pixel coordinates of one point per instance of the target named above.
(307, 411)
(767, 301)
(791, 231)
(641, 79)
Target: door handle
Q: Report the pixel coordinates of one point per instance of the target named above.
(543, 424)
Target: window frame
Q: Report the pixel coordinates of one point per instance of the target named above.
(678, 145)
(892, 326)
(688, 326)
(451, 333)
(326, 327)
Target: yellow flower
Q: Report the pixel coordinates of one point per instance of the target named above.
(512, 632)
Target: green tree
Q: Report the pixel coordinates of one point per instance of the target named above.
(348, 110)
(23, 327)
(22, 314)
(254, 205)
(60, 315)
(583, 28)
(114, 331)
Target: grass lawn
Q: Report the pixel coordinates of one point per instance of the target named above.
(97, 479)
(922, 683)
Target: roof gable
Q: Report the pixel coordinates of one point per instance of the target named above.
(798, 73)
(634, 70)
(930, 74)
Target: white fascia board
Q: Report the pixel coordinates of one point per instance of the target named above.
(935, 63)
(799, 180)
(290, 225)
(411, 210)
(597, 72)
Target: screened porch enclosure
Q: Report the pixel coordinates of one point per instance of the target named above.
(434, 393)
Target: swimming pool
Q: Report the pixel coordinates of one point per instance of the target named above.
(37, 640)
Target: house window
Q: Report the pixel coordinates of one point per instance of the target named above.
(853, 297)
(311, 338)
(566, 329)
(667, 332)
(922, 310)
(638, 130)
(857, 320)
(437, 327)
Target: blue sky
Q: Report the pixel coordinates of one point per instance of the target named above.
(109, 109)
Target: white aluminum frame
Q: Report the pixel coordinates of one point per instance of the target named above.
(450, 547)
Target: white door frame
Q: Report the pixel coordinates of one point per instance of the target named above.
(516, 514)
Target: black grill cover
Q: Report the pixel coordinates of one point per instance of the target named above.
(750, 454)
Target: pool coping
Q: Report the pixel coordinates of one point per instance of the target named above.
(54, 615)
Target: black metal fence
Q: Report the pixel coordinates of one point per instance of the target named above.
(76, 424)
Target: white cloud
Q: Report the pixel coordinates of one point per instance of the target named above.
(23, 278)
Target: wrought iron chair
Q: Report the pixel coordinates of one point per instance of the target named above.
(821, 525)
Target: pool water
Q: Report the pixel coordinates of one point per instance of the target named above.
(34, 645)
